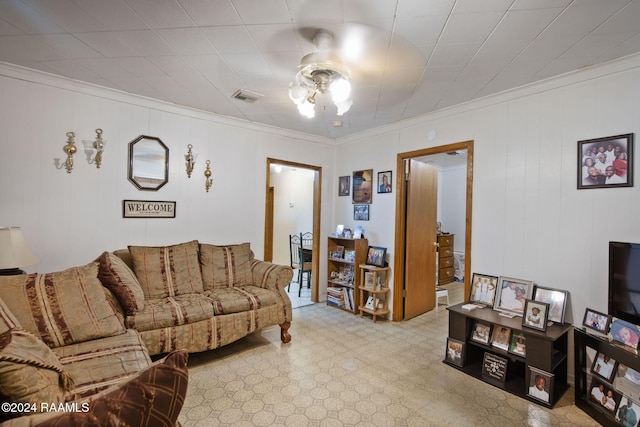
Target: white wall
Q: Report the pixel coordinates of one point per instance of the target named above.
(529, 220)
(452, 198)
(69, 219)
(293, 208)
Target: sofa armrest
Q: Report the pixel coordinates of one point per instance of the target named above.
(271, 276)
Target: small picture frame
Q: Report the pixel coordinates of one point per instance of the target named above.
(361, 212)
(376, 256)
(369, 303)
(346, 233)
(605, 162)
(536, 315)
(628, 410)
(369, 279)
(481, 333)
(604, 366)
(596, 321)
(384, 182)
(512, 294)
(455, 352)
(625, 333)
(605, 395)
(540, 384)
(500, 337)
(344, 185)
(557, 300)
(518, 344)
(483, 289)
(362, 186)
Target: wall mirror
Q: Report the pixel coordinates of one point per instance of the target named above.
(148, 163)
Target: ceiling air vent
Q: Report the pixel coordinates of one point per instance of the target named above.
(246, 95)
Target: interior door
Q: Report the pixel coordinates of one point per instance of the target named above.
(420, 239)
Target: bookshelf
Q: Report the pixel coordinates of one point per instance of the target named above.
(344, 255)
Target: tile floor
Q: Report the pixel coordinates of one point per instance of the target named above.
(343, 370)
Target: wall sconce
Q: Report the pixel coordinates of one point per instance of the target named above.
(70, 149)
(190, 160)
(97, 146)
(207, 174)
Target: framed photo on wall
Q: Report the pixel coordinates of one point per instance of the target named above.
(361, 212)
(384, 182)
(606, 162)
(363, 186)
(344, 185)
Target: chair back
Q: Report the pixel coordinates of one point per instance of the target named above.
(294, 250)
(306, 240)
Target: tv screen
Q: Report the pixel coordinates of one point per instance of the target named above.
(624, 281)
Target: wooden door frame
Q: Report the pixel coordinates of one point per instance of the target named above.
(401, 212)
(317, 198)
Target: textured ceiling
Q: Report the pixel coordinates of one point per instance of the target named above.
(418, 56)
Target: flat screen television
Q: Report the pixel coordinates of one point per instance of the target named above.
(624, 281)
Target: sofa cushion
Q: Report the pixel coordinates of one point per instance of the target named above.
(29, 371)
(154, 397)
(7, 320)
(62, 308)
(116, 275)
(240, 298)
(225, 266)
(97, 364)
(171, 311)
(167, 271)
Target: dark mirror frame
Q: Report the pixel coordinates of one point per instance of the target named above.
(143, 186)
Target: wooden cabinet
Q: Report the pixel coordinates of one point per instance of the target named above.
(584, 377)
(377, 287)
(342, 273)
(546, 351)
(446, 272)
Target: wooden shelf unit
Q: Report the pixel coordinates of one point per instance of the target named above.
(545, 350)
(582, 340)
(378, 292)
(360, 247)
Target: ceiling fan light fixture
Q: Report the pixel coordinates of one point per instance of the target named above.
(307, 108)
(340, 90)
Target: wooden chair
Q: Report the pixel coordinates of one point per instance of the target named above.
(300, 259)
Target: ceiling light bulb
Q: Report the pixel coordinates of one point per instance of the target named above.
(298, 93)
(344, 106)
(307, 109)
(340, 90)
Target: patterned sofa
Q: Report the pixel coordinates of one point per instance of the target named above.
(84, 336)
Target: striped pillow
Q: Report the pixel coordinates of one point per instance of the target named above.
(167, 271)
(226, 266)
(62, 308)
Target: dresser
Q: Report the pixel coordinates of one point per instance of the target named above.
(445, 259)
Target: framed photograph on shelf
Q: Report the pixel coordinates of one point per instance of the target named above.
(481, 333)
(540, 384)
(369, 279)
(628, 411)
(376, 256)
(483, 289)
(604, 395)
(604, 366)
(350, 255)
(625, 333)
(596, 321)
(344, 185)
(518, 344)
(361, 212)
(512, 294)
(500, 337)
(535, 315)
(384, 182)
(605, 162)
(455, 352)
(362, 186)
(556, 299)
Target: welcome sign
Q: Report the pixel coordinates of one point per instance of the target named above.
(148, 209)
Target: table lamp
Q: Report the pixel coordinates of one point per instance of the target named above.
(14, 252)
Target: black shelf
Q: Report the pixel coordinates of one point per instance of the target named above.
(546, 351)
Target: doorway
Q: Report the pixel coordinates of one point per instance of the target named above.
(271, 212)
(402, 288)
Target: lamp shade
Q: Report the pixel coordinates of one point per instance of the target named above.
(14, 252)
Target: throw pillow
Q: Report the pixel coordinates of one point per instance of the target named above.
(116, 275)
(167, 271)
(62, 308)
(226, 266)
(29, 371)
(7, 319)
(152, 398)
